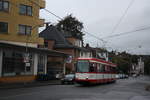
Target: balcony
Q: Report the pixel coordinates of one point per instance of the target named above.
(42, 3)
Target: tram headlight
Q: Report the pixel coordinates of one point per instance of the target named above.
(87, 77)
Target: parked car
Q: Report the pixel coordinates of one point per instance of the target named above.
(126, 76)
(120, 76)
(117, 76)
(123, 76)
(68, 79)
(134, 75)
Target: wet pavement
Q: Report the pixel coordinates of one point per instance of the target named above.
(123, 89)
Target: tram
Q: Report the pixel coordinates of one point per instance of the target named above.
(94, 71)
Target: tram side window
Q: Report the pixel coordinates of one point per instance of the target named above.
(92, 67)
(98, 67)
(108, 68)
(104, 68)
(101, 68)
(113, 69)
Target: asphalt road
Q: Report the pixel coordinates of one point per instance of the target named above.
(123, 89)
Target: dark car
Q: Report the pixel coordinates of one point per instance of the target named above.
(68, 79)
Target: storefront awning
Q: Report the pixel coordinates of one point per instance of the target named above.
(52, 53)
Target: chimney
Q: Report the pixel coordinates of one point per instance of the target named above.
(87, 45)
(47, 24)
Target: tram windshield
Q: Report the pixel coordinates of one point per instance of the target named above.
(82, 66)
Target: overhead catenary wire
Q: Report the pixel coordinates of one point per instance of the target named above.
(61, 19)
(121, 18)
(46, 9)
(101, 39)
(94, 36)
(39, 7)
(125, 33)
(35, 35)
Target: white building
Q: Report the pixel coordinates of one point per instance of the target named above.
(138, 68)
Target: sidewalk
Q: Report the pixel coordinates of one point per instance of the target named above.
(30, 84)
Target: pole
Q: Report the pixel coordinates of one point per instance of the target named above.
(64, 70)
(64, 66)
(26, 53)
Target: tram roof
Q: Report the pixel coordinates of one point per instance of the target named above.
(99, 60)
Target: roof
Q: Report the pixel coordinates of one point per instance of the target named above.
(33, 49)
(52, 33)
(74, 47)
(99, 60)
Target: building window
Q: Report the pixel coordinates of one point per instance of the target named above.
(46, 44)
(25, 30)
(4, 6)
(14, 63)
(3, 27)
(25, 10)
(41, 64)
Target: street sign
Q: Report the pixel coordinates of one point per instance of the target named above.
(69, 59)
(27, 64)
(26, 57)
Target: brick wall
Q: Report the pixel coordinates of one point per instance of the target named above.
(68, 51)
(50, 44)
(71, 40)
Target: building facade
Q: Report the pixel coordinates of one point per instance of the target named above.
(19, 21)
(138, 68)
(66, 42)
(19, 56)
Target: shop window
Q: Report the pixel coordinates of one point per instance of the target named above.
(13, 64)
(25, 30)
(4, 6)
(25, 10)
(3, 27)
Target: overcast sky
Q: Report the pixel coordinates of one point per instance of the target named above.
(100, 17)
